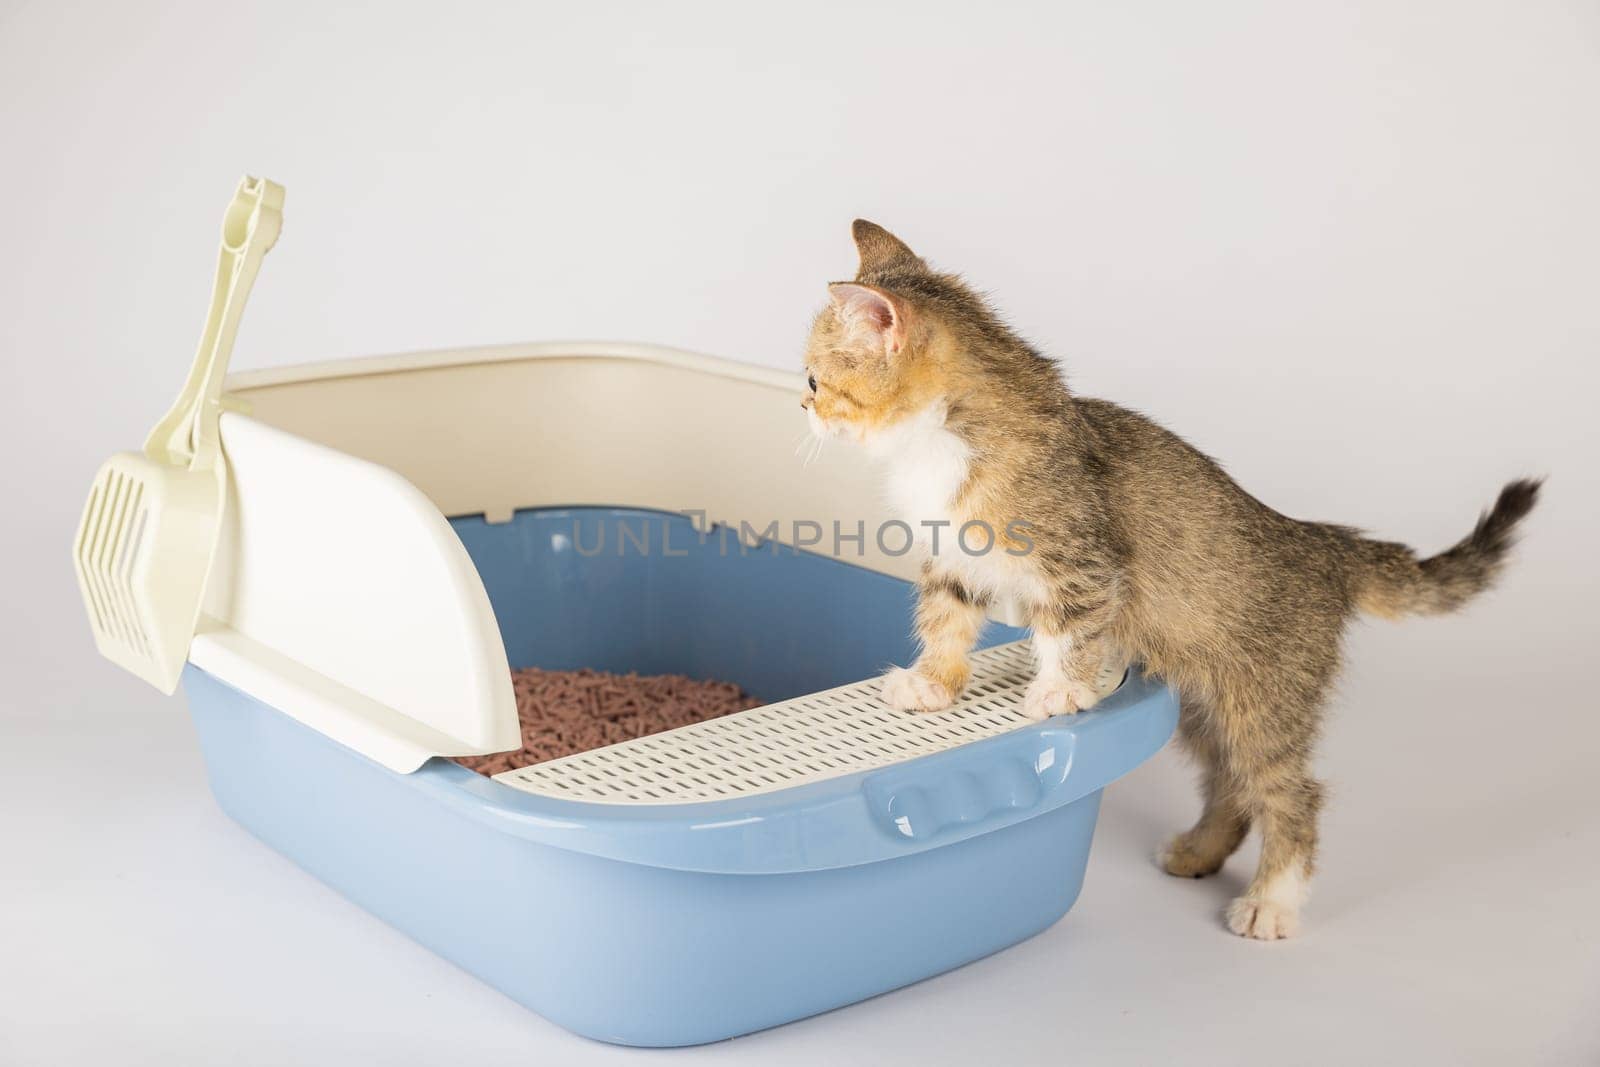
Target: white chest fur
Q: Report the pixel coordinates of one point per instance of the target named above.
(926, 466)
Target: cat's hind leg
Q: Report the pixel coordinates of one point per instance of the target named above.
(1285, 802)
(1224, 820)
(1264, 723)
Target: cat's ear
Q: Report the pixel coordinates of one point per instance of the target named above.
(878, 248)
(873, 312)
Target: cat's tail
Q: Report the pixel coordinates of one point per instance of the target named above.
(1393, 582)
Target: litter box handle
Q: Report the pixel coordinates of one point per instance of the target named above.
(1005, 779)
(187, 435)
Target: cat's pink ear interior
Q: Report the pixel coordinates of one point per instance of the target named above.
(871, 311)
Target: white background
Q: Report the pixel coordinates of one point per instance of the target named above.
(1352, 249)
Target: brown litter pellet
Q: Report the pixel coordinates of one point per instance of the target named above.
(563, 712)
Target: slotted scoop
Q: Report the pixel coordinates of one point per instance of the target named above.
(149, 531)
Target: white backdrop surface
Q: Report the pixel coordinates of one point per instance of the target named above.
(1348, 248)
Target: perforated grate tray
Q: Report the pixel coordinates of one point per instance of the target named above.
(817, 736)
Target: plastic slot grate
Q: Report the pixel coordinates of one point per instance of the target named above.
(108, 548)
(776, 746)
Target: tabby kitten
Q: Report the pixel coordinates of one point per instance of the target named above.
(1136, 548)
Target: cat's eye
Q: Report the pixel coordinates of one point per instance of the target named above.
(811, 381)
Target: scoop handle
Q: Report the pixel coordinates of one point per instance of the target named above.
(187, 435)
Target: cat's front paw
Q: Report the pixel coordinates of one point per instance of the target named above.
(908, 690)
(1263, 919)
(1047, 699)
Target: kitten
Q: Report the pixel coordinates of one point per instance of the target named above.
(1135, 548)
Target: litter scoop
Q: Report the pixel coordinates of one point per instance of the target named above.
(149, 531)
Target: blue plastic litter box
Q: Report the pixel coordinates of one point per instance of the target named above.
(681, 923)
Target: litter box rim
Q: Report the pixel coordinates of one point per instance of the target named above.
(845, 821)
